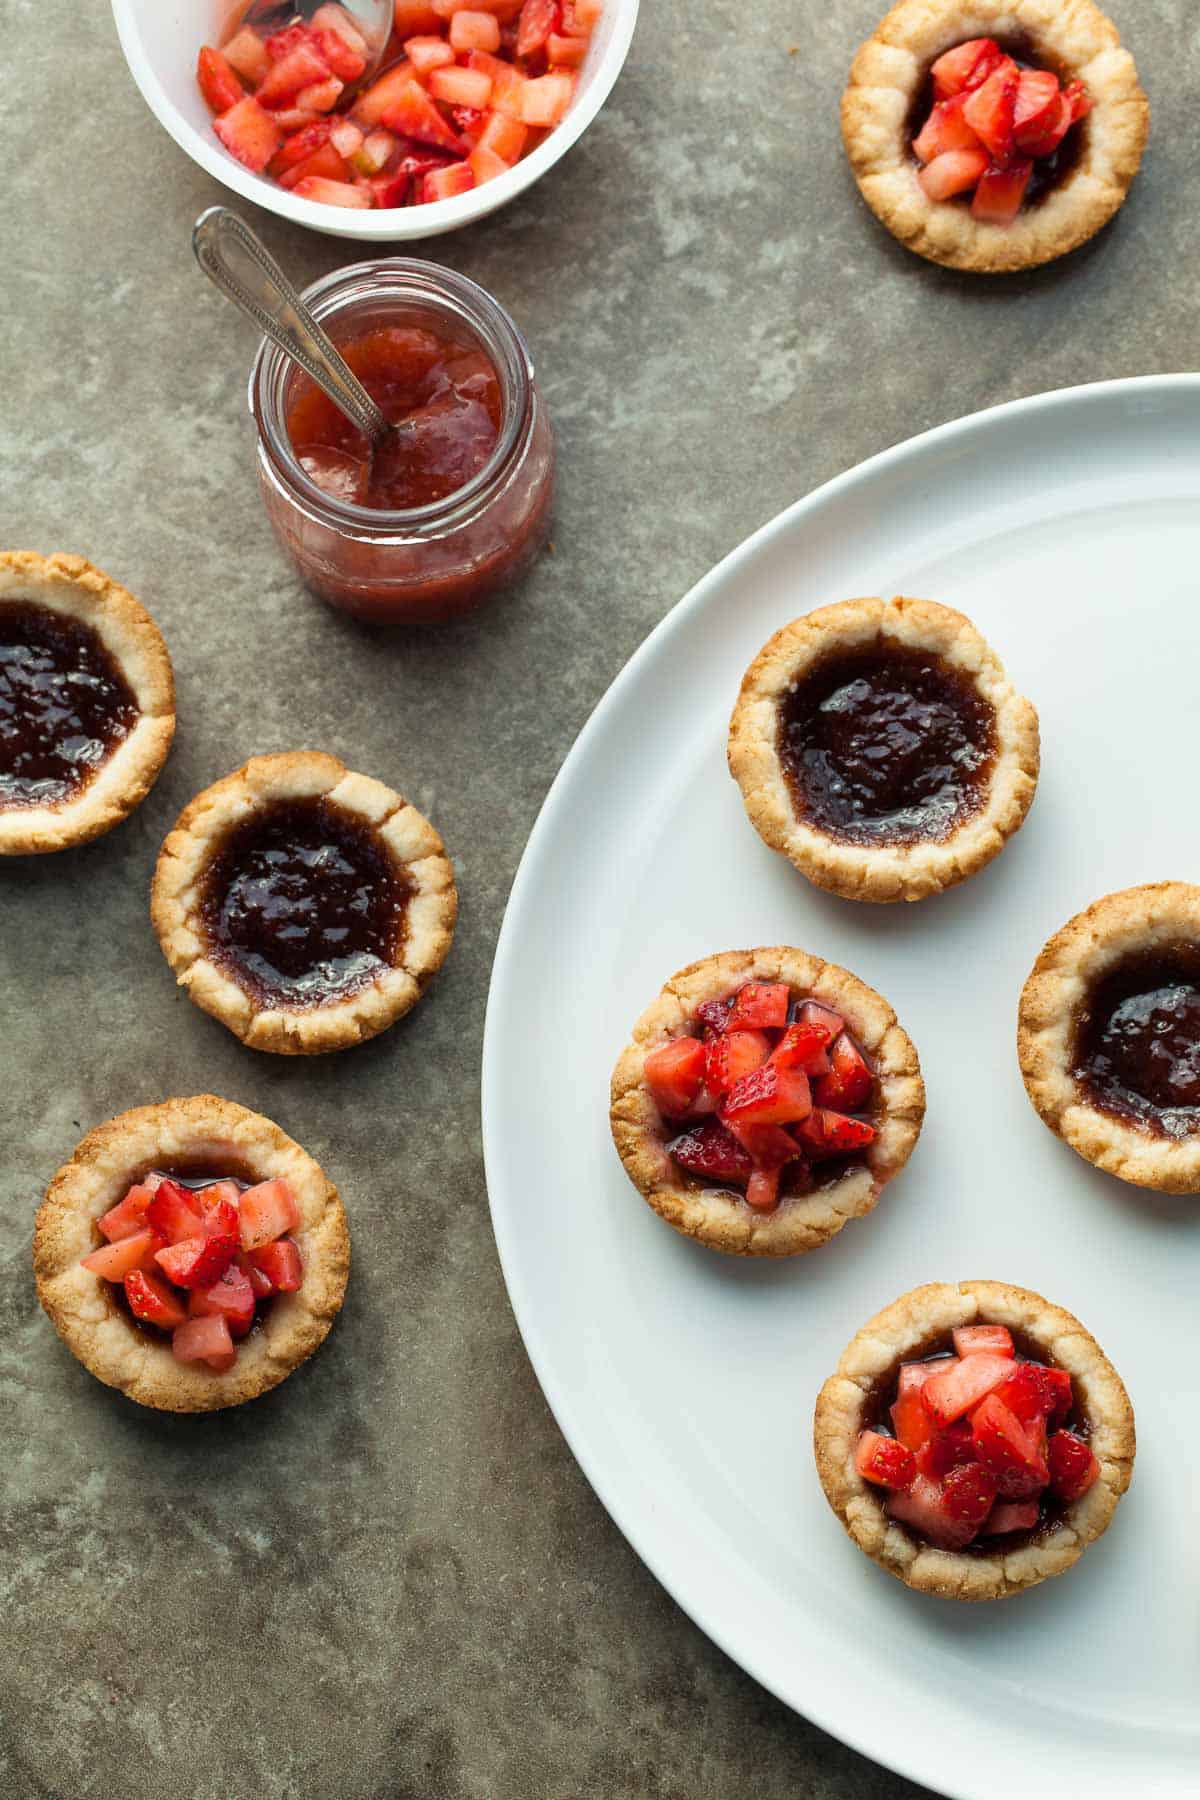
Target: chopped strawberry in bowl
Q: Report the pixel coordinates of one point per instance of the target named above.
(756, 1118)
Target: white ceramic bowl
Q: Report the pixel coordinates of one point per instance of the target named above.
(161, 40)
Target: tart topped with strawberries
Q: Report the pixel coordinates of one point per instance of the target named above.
(191, 1254)
(880, 747)
(765, 1100)
(1109, 1035)
(974, 1439)
(994, 152)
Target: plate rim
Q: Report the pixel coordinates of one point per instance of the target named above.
(911, 1767)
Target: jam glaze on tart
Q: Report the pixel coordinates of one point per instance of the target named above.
(1038, 193)
(974, 1439)
(303, 905)
(810, 1112)
(87, 702)
(880, 746)
(1109, 1035)
(120, 1325)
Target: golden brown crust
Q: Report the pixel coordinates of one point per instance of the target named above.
(1072, 35)
(1135, 919)
(908, 1326)
(880, 872)
(82, 1306)
(721, 1218)
(69, 585)
(404, 833)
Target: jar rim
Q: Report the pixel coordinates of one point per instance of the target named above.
(429, 286)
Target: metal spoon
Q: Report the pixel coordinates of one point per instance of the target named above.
(372, 18)
(234, 259)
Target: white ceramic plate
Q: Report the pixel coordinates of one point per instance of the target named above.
(1068, 528)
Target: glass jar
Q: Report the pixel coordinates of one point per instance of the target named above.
(425, 563)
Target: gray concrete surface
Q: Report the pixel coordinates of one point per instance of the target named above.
(389, 1578)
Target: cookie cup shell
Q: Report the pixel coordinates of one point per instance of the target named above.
(1074, 38)
(883, 872)
(76, 590)
(906, 1328)
(721, 1217)
(1126, 923)
(403, 834)
(84, 1308)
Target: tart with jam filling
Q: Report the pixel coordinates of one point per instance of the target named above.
(1109, 1035)
(87, 703)
(191, 1254)
(998, 138)
(974, 1439)
(880, 746)
(303, 905)
(765, 1100)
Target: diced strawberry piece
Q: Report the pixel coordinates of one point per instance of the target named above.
(461, 87)
(206, 1339)
(1011, 1515)
(910, 1420)
(443, 184)
(964, 67)
(728, 1058)
(884, 1461)
(174, 1213)
(759, 1006)
(544, 101)
(323, 165)
(218, 82)
(762, 1190)
(249, 134)
(218, 1209)
(485, 165)
(842, 1135)
(374, 151)
(282, 43)
(346, 138)
(968, 1495)
(768, 1146)
(945, 129)
(1034, 1392)
(267, 1211)
(920, 1506)
(963, 1385)
(300, 68)
(713, 1014)
(1073, 1468)
(280, 1263)
(946, 1450)
(302, 144)
(294, 118)
(769, 1096)
(1000, 193)
(990, 112)
(1079, 98)
(259, 1280)
(195, 1262)
(416, 18)
(673, 1073)
(1045, 141)
(114, 1261)
(127, 1216)
(428, 53)
(322, 97)
(583, 16)
(232, 1295)
(709, 1150)
(1036, 103)
(803, 1047)
(345, 63)
(970, 1339)
(508, 84)
(538, 19)
(565, 52)
(823, 1018)
(468, 122)
(412, 113)
(474, 31)
(1059, 1395)
(848, 1083)
(335, 18)
(914, 1375)
(151, 1299)
(247, 54)
(329, 192)
(1011, 1450)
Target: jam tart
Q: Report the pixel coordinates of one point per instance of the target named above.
(305, 906)
(1109, 1035)
(765, 1100)
(974, 1439)
(997, 137)
(191, 1254)
(880, 746)
(87, 703)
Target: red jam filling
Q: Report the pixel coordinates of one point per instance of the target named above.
(443, 399)
(768, 1093)
(999, 128)
(1137, 1042)
(64, 706)
(198, 1258)
(464, 94)
(979, 1443)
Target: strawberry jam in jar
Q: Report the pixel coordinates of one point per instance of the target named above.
(455, 505)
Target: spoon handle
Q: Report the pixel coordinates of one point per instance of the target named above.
(241, 266)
